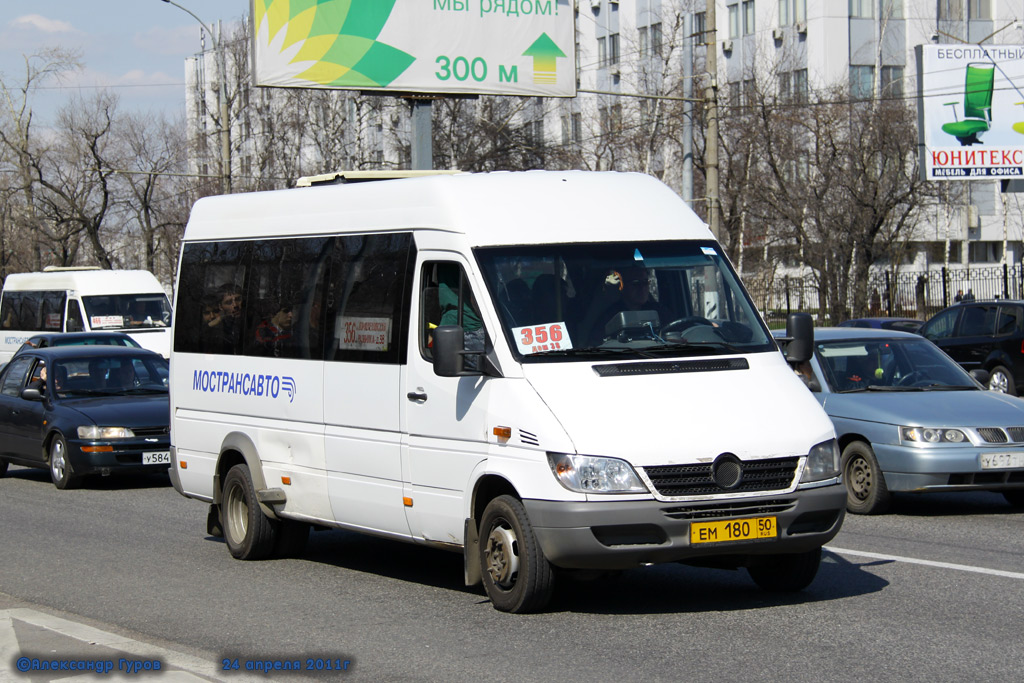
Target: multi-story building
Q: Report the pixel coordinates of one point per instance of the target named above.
(641, 71)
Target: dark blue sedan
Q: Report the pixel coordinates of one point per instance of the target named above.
(80, 410)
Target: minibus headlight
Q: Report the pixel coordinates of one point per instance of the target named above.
(822, 462)
(96, 432)
(590, 474)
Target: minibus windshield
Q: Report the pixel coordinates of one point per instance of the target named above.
(127, 311)
(641, 299)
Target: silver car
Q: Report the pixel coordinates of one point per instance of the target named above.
(909, 418)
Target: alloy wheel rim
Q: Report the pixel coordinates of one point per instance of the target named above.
(57, 463)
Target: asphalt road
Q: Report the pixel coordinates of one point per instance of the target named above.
(933, 592)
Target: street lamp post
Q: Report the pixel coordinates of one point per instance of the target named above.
(225, 146)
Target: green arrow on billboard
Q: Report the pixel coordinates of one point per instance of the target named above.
(544, 52)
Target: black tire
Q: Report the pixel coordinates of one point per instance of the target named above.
(61, 473)
(291, 538)
(1001, 380)
(866, 492)
(250, 535)
(3, 468)
(516, 575)
(1014, 498)
(786, 573)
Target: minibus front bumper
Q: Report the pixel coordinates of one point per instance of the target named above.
(627, 534)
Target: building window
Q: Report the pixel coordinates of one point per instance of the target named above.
(602, 53)
(800, 91)
(613, 48)
(656, 39)
(979, 9)
(862, 82)
(891, 9)
(748, 17)
(785, 86)
(577, 128)
(892, 81)
(785, 17)
(699, 26)
(643, 40)
(800, 11)
(734, 21)
(951, 9)
(862, 9)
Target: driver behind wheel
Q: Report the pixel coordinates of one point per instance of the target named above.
(631, 289)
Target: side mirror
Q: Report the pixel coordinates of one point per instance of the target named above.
(982, 376)
(31, 395)
(800, 333)
(449, 345)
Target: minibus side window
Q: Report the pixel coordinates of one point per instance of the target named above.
(367, 298)
(74, 319)
(447, 299)
(9, 310)
(51, 315)
(209, 297)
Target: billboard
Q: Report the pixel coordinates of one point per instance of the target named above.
(503, 47)
(971, 111)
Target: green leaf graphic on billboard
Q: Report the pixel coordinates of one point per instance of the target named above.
(544, 52)
(332, 42)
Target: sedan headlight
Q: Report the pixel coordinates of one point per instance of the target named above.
(822, 462)
(590, 474)
(95, 432)
(930, 435)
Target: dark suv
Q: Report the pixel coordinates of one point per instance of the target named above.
(984, 334)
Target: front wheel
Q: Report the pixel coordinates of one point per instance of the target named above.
(786, 573)
(247, 531)
(516, 575)
(60, 467)
(866, 492)
(3, 468)
(1001, 380)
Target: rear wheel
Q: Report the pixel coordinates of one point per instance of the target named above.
(1001, 380)
(516, 575)
(60, 467)
(250, 535)
(1014, 498)
(866, 492)
(786, 573)
(3, 468)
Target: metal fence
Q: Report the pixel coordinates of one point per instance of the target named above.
(910, 294)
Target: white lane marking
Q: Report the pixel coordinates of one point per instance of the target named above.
(929, 563)
(203, 670)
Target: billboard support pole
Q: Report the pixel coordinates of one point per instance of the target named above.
(422, 135)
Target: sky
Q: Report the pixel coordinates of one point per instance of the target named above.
(136, 48)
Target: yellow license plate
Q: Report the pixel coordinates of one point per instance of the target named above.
(750, 529)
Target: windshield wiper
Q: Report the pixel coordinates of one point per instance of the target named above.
(695, 346)
(593, 351)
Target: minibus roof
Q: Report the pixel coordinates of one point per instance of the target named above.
(88, 282)
(528, 207)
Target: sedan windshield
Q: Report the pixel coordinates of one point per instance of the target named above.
(127, 311)
(640, 299)
(890, 365)
(114, 376)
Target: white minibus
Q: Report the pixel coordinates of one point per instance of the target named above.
(551, 373)
(85, 299)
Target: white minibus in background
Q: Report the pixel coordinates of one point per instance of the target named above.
(544, 371)
(84, 299)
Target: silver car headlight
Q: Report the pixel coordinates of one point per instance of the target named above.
(591, 474)
(95, 432)
(822, 462)
(929, 435)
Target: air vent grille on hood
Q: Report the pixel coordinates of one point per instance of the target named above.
(715, 365)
